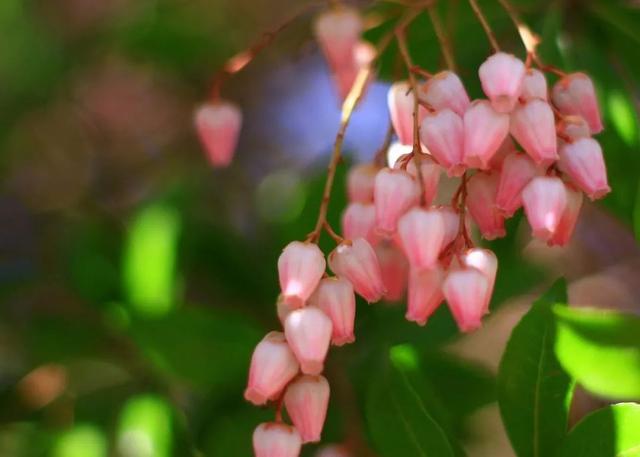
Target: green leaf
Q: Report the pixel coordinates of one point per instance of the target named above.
(613, 431)
(400, 414)
(145, 427)
(623, 116)
(600, 349)
(81, 441)
(533, 391)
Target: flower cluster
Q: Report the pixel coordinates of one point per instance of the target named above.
(522, 146)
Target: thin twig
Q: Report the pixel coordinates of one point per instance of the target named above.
(379, 158)
(485, 25)
(445, 45)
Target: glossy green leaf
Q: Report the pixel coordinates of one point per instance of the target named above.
(613, 431)
(533, 391)
(400, 416)
(600, 349)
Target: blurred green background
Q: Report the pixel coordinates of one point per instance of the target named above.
(135, 281)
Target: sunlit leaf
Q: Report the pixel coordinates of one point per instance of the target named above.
(145, 427)
(81, 441)
(623, 116)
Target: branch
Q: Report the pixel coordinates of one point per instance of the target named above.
(445, 45)
(485, 25)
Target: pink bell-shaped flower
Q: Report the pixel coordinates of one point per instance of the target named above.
(466, 291)
(394, 268)
(345, 76)
(395, 192)
(573, 128)
(534, 85)
(273, 365)
(451, 220)
(517, 170)
(306, 400)
(338, 30)
(505, 150)
(300, 267)
(283, 309)
(308, 331)
(336, 298)
(501, 76)
(482, 190)
(484, 131)
(275, 439)
(425, 294)
(400, 100)
(575, 94)
(357, 262)
(430, 172)
(583, 162)
(445, 91)
(359, 221)
(533, 126)
(218, 125)
(442, 133)
(486, 262)
(544, 200)
(568, 220)
(360, 182)
(421, 233)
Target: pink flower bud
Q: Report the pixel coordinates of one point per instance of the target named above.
(283, 309)
(275, 439)
(573, 127)
(484, 132)
(332, 451)
(360, 181)
(356, 261)
(575, 94)
(273, 365)
(451, 220)
(359, 221)
(394, 268)
(395, 192)
(442, 133)
(517, 170)
(218, 125)
(481, 201)
(568, 220)
(445, 91)
(486, 262)
(338, 30)
(582, 160)
(533, 126)
(306, 400)
(308, 331)
(398, 155)
(335, 297)
(502, 76)
(400, 100)
(421, 233)
(425, 294)
(430, 172)
(300, 267)
(544, 199)
(534, 85)
(345, 76)
(466, 292)
(506, 149)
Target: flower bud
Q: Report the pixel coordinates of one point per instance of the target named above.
(575, 94)
(481, 201)
(308, 331)
(425, 294)
(430, 172)
(360, 181)
(395, 192)
(445, 91)
(506, 149)
(345, 76)
(335, 297)
(306, 400)
(517, 170)
(273, 365)
(338, 31)
(533, 126)
(484, 132)
(486, 262)
(275, 439)
(421, 233)
(568, 220)
(501, 76)
(534, 85)
(300, 267)
(466, 291)
(394, 268)
(218, 125)
(359, 221)
(582, 160)
(451, 219)
(442, 133)
(400, 100)
(573, 127)
(356, 261)
(544, 199)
